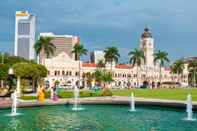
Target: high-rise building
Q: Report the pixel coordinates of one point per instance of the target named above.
(97, 56)
(63, 43)
(24, 35)
(147, 46)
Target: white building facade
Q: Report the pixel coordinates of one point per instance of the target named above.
(24, 35)
(66, 70)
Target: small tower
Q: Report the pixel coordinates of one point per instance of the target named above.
(147, 46)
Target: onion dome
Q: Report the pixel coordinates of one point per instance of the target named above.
(146, 33)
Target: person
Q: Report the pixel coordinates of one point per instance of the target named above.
(55, 98)
(54, 93)
(41, 95)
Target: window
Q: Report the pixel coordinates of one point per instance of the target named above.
(55, 73)
(23, 28)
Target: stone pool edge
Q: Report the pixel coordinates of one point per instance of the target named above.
(115, 100)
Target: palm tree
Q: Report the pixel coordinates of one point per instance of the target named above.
(44, 47)
(178, 68)
(107, 78)
(89, 77)
(161, 57)
(111, 55)
(79, 50)
(100, 64)
(192, 69)
(136, 59)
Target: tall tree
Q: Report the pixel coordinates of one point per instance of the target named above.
(111, 55)
(178, 68)
(100, 64)
(107, 78)
(44, 48)
(136, 59)
(79, 50)
(161, 57)
(192, 69)
(30, 71)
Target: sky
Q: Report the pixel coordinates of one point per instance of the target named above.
(103, 23)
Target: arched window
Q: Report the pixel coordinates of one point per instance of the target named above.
(55, 73)
(63, 72)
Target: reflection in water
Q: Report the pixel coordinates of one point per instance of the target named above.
(96, 118)
(14, 125)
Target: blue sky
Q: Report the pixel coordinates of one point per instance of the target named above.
(102, 23)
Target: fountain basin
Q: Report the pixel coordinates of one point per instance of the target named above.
(98, 117)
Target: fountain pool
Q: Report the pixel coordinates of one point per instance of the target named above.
(97, 118)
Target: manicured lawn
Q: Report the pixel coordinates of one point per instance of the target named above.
(173, 94)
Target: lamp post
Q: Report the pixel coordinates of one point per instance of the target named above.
(10, 77)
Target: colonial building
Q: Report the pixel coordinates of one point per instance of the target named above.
(66, 70)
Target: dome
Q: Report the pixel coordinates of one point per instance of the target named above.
(146, 33)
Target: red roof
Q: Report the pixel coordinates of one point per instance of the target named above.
(89, 65)
(167, 69)
(123, 66)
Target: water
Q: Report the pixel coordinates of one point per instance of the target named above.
(132, 103)
(97, 118)
(14, 105)
(189, 109)
(76, 104)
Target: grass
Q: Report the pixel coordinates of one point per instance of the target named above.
(170, 94)
(28, 97)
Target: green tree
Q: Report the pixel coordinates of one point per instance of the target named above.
(79, 50)
(136, 59)
(107, 78)
(6, 62)
(177, 68)
(43, 48)
(100, 64)
(3, 73)
(89, 77)
(30, 71)
(161, 57)
(192, 69)
(111, 55)
(98, 76)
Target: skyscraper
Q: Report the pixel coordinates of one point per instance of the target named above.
(24, 35)
(63, 43)
(97, 56)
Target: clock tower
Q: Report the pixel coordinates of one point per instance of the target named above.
(147, 46)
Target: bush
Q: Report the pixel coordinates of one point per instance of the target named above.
(106, 92)
(28, 97)
(96, 94)
(85, 93)
(65, 94)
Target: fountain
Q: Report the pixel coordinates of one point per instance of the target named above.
(132, 103)
(14, 104)
(189, 109)
(76, 106)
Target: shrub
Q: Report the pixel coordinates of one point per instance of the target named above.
(106, 92)
(28, 97)
(85, 94)
(96, 94)
(65, 94)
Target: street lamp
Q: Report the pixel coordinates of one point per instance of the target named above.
(10, 76)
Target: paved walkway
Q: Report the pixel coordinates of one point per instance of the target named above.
(6, 103)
